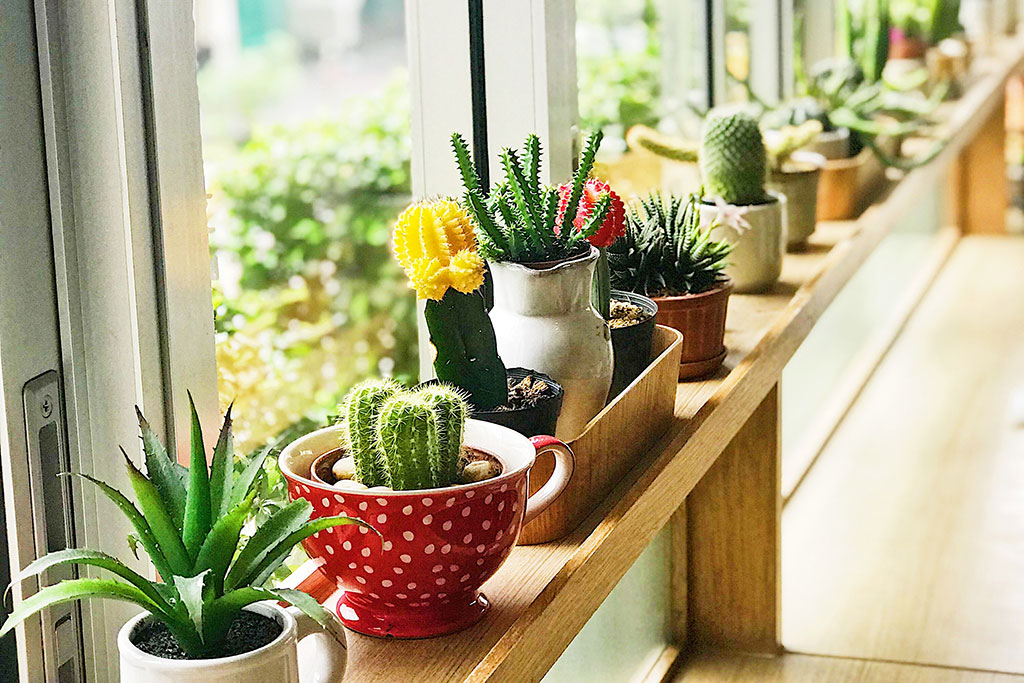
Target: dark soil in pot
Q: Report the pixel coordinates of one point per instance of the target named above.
(632, 323)
(249, 631)
(535, 400)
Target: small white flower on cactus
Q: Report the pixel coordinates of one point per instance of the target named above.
(727, 215)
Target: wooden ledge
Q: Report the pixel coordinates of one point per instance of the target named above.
(544, 595)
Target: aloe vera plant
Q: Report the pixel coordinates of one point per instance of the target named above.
(189, 521)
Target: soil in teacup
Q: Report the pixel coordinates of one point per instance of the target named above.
(249, 631)
(626, 314)
(474, 466)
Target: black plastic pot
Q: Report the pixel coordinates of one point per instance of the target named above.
(538, 420)
(631, 346)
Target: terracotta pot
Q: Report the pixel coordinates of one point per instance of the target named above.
(701, 319)
(631, 346)
(323, 658)
(798, 181)
(756, 259)
(839, 188)
(421, 577)
(543, 319)
(907, 48)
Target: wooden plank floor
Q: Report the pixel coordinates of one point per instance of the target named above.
(725, 668)
(906, 541)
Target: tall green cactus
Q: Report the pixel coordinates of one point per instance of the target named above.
(732, 156)
(361, 410)
(467, 351)
(415, 437)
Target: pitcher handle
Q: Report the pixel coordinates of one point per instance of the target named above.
(322, 655)
(565, 462)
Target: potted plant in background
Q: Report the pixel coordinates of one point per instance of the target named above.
(543, 269)
(733, 165)
(665, 254)
(435, 245)
(211, 618)
(449, 495)
(795, 174)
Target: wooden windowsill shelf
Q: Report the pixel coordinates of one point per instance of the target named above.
(544, 595)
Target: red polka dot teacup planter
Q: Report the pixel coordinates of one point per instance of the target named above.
(422, 576)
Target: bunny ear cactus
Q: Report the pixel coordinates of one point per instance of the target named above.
(189, 521)
(435, 245)
(733, 161)
(418, 435)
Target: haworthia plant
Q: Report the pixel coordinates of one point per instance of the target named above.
(189, 522)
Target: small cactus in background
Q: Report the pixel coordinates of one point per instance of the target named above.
(667, 147)
(733, 161)
(416, 435)
(780, 144)
(435, 245)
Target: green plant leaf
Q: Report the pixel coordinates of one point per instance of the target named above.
(266, 567)
(197, 503)
(244, 481)
(77, 589)
(219, 547)
(166, 474)
(278, 527)
(95, 558)
(222, 471)
(222, 611)
(190, 591)
(160, 523)
(145, 534)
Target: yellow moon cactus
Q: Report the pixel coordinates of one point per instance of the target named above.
(434, 244)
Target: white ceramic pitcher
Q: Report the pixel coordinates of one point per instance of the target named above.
(323, 658)
(544, 321)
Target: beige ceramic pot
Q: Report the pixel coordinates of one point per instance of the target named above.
(756, 260)
(798, 181)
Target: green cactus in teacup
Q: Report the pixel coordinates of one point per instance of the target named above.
(405, 440)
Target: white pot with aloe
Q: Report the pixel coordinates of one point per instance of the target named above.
(211, 619)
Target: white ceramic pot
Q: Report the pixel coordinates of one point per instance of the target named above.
(797, 180)
(543, 320)
(322, 657)
(756, 259)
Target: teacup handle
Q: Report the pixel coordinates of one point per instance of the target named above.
(565, 462)
(322, 656)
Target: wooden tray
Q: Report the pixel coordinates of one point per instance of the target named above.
(611, 442)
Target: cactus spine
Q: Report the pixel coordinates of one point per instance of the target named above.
(415, 437)
(361, 409)
(732, 157)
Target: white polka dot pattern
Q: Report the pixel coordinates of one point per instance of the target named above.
(472, 529)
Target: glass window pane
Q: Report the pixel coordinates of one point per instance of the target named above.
(639, 62)
(306, 143)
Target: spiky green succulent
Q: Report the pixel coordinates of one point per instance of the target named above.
(733, 161)
(664, 251)
(415, 437)
(189, 521)
(519, 219)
